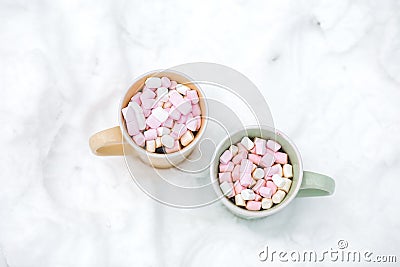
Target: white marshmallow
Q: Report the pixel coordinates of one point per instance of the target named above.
(278, 180)
(163, 131)
(248, 194)
(153, 82)
(239, 201)
(167, 141)
(160, 114)
(278, 196)
(247, 143)
(182, 89)
(258, 173)
(287, 170)
(158, 142)
(162, 94)
(185, 107)
(234, 150)
(141, 120)
(151, 145)
(186, 138)
(286, 186)
(227, 189)
(266, 203)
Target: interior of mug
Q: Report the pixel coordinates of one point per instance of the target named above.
(287, 146)
(180, 78)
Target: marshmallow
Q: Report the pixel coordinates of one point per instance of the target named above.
(236, 173)
(224, 177)
(247, 143)
(191, 123)
(153, 82)
(226, 167)
(175, 98)
(173, 85)
(175, 148)
(158, 142)
(286, 185)
(150, 134)
(267, 160)
(136, 98)
(174, 113)
(160, 114)
(185, 107)
(196, 111)
(227, 189)
(254, 158)
(168, 123)
(151, 146)
(260, 145)
(245, 166)
(152, 122)
(274, 169)
(258, 173)
(274, 146)
(239, 201)
(182, 89)
(186, 138)
(257, 198)
(278, 180)
(167, 141)
(163, 131)
(265, 192)
(165, 82)
(248, 194)
(278, 196)
(193, 96)
(260, 183)
(246, 179)
(183, 119)
(271, 185)
(178, 130)
(238, 187)
(140, 117)
(148, 103)
(287, 171)
(238, 158)
(147, 94)
(234, 150)
(132, 127)
(281, 158)
(139, 139)
(162, 94)
(225, 157)
(266, 203)
(253, 205)
(253, 183)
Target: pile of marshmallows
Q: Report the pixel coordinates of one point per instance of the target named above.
(163, 116)
(255, 174)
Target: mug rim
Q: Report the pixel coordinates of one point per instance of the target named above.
(153, 154)
(242, 212)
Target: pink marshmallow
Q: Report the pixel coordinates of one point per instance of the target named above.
(274, 146)
(246, 179)
(168, 123)
(150, 134)
(238, 187)
(225, 177)
(260, 183)
(241, 147)
(165, 82)
(260, 146)
(175, 148)
(196, 111)
(178, 130)
(147, 94)
(257, 198)
(174, 113)
(253, 150)
(236, 173)
(267, 160)
(274, 169)
(253, 205)
(225, 157)
(193, 96)
(185, 107)
(148, 103)
(254, 158)
(246, 166)
(136, 98)
(173, 85)
(273, 186)
(182, 119)
(175, 98)
(266, 192)
(152, 122)
(226, 167)
(146, 112)
(281, 158)
(139, 139)
(238, 158)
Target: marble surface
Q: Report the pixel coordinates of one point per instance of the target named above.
(329, 71)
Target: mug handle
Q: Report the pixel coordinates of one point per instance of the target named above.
(107, 142)
(316, 185)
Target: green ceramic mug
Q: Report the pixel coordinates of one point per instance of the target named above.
(305, 183)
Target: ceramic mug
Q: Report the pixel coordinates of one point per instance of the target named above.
(116, 140)
(304, 183)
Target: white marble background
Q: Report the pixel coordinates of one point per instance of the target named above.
(330, 71)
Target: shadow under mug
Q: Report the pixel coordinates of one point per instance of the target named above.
(304, 183)
(117, 142)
